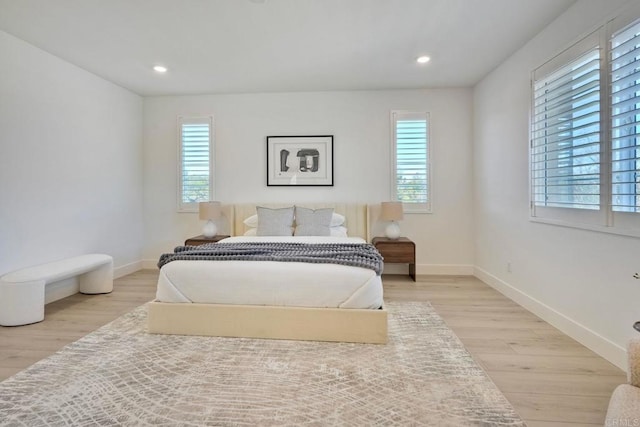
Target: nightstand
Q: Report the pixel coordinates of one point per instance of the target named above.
(401, 250)
(201, 240)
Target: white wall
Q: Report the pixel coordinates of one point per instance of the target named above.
(360, 123)
(581, 281)
(70, 161)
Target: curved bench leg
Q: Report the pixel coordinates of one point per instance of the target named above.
(97, 281)
(21, 303)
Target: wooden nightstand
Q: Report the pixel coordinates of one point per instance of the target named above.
(401, 250)
(201, 240)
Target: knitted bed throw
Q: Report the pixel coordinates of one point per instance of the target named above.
(353, 254)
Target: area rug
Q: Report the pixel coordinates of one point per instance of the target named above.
(121, 375)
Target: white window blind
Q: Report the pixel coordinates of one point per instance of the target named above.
(585, 131)
(625, 119)
(196, 154)
(565, 145)
(411, 160)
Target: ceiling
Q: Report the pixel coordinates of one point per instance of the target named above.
(242, 46)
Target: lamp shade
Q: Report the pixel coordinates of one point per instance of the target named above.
(210, 210)
(391, 211)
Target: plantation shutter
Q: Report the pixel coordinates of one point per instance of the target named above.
(565, 140)
(195, 162)
(411, 148)
(625, 119)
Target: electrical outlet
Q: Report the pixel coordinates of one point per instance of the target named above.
(509, 267)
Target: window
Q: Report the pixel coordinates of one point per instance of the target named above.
(195, 177)
(565, 163)
(625, 119)
(585, 132)
(410, 169)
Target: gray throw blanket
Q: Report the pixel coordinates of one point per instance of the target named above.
(357, 255)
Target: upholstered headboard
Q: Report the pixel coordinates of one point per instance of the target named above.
(355, 214)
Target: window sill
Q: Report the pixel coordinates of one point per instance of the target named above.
(590, 227)
(188, 210)
(418, 211)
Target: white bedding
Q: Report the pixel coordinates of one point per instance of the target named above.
(295, 284)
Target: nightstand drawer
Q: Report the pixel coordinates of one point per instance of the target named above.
(397, 252)
(401, 251)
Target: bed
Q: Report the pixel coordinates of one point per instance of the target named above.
(279, 300)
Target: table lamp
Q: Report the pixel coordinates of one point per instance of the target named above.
(210, 211)
(393, 212)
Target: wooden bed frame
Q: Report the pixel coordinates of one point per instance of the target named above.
(294, 323)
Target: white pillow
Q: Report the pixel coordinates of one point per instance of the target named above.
(274, 222)
(313, 222)
(336, 220)
(252, 221)
(251, 232)
(338, 231)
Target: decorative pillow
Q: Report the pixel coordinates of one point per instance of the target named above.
(338, 231)
(310, 222)
(252, 221)
(251, 232)
(336, 220)
(274, 222)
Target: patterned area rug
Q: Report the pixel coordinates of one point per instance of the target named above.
(120, 375)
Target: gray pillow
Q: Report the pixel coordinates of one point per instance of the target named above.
(310, 222)
(274, 222)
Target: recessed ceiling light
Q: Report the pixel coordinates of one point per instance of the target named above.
(160, 69)
(422, 59)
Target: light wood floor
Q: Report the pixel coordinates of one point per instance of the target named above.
(550, 379)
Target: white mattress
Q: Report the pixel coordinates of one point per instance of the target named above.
(297, 284)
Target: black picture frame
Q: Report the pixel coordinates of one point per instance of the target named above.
(300, 160)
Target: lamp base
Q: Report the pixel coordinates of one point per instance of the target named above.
(209, 229)
(393, 230)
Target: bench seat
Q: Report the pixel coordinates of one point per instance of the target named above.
(22, 291)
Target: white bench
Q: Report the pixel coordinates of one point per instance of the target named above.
(22, 291)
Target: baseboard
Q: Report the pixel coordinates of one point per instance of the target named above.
(445, 269)
(585, 336)
(431, 269)
(123, 270)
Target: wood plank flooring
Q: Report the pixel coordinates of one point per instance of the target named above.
(550, 379)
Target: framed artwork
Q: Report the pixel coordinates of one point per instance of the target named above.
(300, 160)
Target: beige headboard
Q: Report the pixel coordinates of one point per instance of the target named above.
(355, 214)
